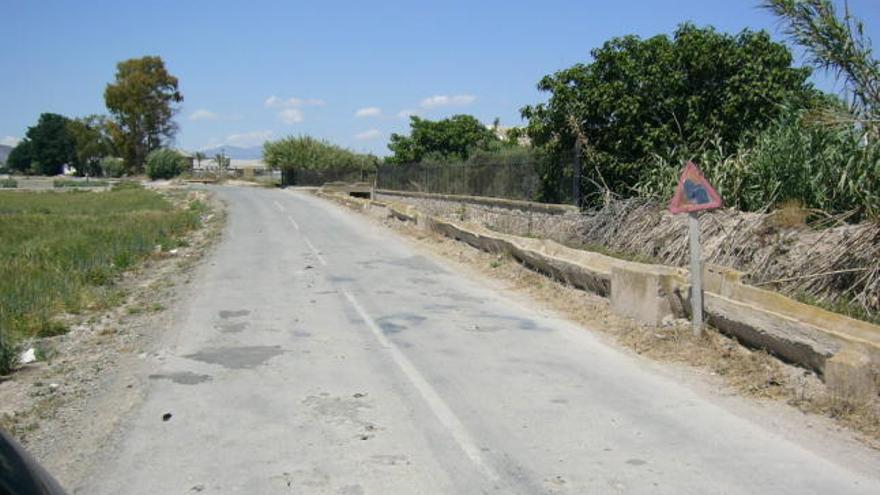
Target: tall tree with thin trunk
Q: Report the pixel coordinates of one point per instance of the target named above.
(142, 102)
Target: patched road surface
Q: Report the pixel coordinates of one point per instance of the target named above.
(319, 354)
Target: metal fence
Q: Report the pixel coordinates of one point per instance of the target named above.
(305, 177)
(529, 181)
(507, 180)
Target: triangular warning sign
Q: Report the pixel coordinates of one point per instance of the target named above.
(694, 193)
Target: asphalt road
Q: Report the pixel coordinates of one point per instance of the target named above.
(321, 354)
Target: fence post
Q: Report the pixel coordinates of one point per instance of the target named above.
(576, 180)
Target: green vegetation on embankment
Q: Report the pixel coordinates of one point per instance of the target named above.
(60, 252)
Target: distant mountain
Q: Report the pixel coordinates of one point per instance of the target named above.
(236, 153)
(4, 152)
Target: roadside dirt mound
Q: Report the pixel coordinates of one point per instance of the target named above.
(823, 259)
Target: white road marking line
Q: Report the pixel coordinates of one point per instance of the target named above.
(315, 250)
(295, 225)
(278, 205)
(440, 409)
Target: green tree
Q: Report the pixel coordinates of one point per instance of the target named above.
(308, 153)
(19, 158)
(453, 138)
(51, 144)
(93, 143)
(165, 164)
(142, 102)
(641, 97)
(112, 166)
(836, 44)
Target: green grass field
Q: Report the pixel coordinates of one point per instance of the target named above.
(60, 251)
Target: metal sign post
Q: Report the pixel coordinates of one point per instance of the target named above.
(695, 194)
(696, 273)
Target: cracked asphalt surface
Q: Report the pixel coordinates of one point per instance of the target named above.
(320, 354)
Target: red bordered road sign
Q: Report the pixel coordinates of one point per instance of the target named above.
(694, 193)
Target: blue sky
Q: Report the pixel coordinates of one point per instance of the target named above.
(346, 71)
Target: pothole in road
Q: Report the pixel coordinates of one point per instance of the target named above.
(225, 314)
(182, 377)
(237, 357)
(399, 322)
(336, 409)
(232, 327)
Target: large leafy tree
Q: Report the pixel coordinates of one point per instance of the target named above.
(641, 97)
(19, 158)
(453, 138)
(142, 102)
(93, 142)
(50, 145)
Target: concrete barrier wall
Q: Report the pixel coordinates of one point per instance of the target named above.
(846, 351)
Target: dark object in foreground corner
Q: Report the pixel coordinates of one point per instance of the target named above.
(19, 472)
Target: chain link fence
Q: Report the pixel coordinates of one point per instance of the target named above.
(305, 177)
(520, 180)
(512, 180)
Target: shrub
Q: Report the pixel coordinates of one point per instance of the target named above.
(165, 164)
(112, 166)
(308, 153)
(8, 183)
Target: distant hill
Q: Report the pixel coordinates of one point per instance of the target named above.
(4, 152)
(236, 153)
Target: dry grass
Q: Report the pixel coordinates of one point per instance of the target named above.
(789, 215)
(830, 261)
(751, 373)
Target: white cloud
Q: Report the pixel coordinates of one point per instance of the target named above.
(276, 102)
(406, 113)
(291, 115)
(9, 141)
(368, 112)
(243, 140)
(207, 115)
(447, 101)
(371, 134)
(290, 112)
(202, 114)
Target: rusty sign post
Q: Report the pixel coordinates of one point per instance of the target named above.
(693, 195)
